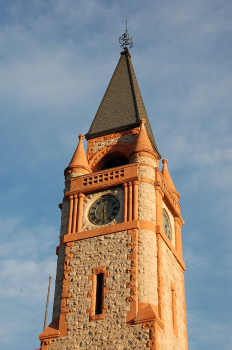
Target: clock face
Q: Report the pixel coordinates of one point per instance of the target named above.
(104, 210)
(166, 225)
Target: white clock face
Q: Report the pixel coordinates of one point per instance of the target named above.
(104, 210)
(167, 225)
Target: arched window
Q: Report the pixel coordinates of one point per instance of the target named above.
(115, 162)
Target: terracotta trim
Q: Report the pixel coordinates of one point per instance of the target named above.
(135, 199)
(93, 141)
(66, 281)
(74, 221)
(103, 179)
(144, 154)
(147, 180)
(70, 214)
(93, 293)
(147, 164)
(154, 329)
(133, 271)
(140, 224)
(101, 231)
(80, 212)
(178, 242)
(174, 309)
(125, 186)
(150, 226)
(159, 178)
(122, 147)
(148, 313)
(130, 201)
(58, 327)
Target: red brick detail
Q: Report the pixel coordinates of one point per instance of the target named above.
(45, 343)
(92, 293)
(133, 271)
(174, 310)
(154, 328)
(67, 268)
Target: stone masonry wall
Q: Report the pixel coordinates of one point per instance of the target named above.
(125, 139)
(144, 160)
(112, 332)
(59, 280)
(147, 277)
(172, 271)
(147, 202)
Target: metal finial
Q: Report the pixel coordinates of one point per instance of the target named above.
(46, 312)
(125, 40)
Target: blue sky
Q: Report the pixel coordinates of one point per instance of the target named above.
(56, 60)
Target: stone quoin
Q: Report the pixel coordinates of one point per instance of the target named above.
(120, 273)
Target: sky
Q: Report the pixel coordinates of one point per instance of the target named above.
(56, 60)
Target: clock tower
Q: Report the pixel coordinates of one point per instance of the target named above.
(120, 273)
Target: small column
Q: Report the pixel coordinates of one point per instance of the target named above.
(130, 202)
(125, 186)
(80, 212)
(74, 223)
(135, 199)
(70, 214)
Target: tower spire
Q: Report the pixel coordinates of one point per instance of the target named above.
(122, 106)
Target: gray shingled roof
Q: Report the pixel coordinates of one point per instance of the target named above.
(122, 106)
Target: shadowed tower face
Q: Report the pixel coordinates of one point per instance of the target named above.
(120, 273)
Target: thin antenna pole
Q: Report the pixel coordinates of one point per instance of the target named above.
(46, 312)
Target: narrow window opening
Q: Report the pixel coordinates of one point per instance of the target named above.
(99, 294)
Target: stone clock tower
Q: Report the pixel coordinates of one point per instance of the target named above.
(120, 273)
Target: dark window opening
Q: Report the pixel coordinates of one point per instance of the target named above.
(115, 162)
(99, 295)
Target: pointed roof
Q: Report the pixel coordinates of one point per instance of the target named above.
(143, 143)
(79, 159)
(168, 178)
(122, 106)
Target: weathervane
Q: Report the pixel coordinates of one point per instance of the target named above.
(125, 40)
